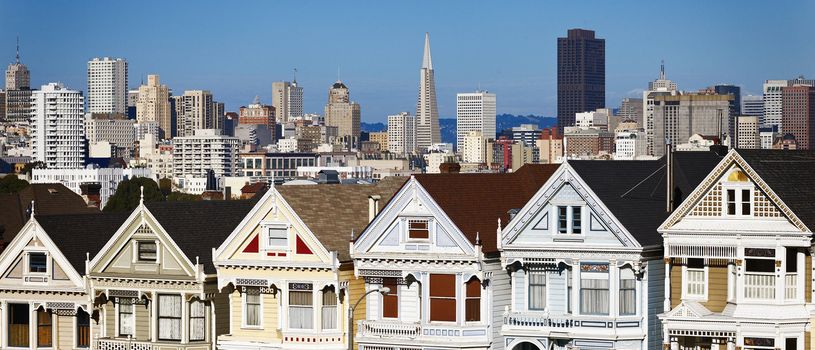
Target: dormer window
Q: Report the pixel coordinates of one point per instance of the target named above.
(738, 201)
(147, 251)
(277, 237)
(569, 220)
(37, 262)
(418, 229)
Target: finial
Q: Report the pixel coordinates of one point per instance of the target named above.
(32, 208)
(477, 238)
(352, 234)
(141, 195)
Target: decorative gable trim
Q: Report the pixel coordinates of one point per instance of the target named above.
(688, 309)
(32, 230)
(563, 175)
(710, 182)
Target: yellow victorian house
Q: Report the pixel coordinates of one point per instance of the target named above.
(287, 269)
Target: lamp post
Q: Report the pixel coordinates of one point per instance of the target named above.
(383, 291)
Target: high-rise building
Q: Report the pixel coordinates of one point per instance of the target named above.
(678, 117)
(195, 110)
(753, 105)
(747, 132)
(205, 150)
(631, 109)
(772, 102)
(475, 111)
(660, 86)
(735, 106)
(550, 146)
(344, 114)
(17, 75)
(581, 75)
(18, 105)
(798, 117)
(402, 133)
(427, 113)
(381, 138)
(115, 129)
(473, 147)
(107, 85)
(287, 99)
(57, 129)
(257, 113)
(153, 105)
(526, 133)
(629, 144)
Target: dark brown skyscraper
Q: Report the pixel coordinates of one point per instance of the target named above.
(581, 75)
(798, 114)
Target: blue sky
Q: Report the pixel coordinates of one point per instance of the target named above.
(237, 48)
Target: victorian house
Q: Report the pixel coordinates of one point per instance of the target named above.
(433, 249)
(153, 284)
(585, 257)
(43, 299)
(738, 256)
(287, 269)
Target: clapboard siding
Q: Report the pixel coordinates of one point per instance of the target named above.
(557, 291)
(676, 285)
(409, 303)
(519, 289)
(221, 313)
(808, 279)
(65, 334)
(110, 319)
(655, 303)
(501, 298)
(716, 288)
(142, 321)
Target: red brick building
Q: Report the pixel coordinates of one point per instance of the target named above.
(798, 114)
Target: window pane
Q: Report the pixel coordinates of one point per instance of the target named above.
(792, 260)
(594, 296)
(198, 323)
(390, 302)
(537, 291)
(443, 298)
(169, 317)
(760, 265)
(147, 251)
(418, 229)
(301, 312)
(18, 316)
(329, 312)
(278, 237)
(731, 202)
(745, 202)
(252, 300)
(83, 329)
(43, 328)
(37, 262)
(126, 322)
(576, 220)
(561, 219)
(628, 292)
(472, 304)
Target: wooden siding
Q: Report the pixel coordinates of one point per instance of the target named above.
(501, 298)
(716, 288)
(519, 288)
(65, 331)
(110, 319)
(676, 285)
(142, 321)
(356, 289)
(655, 285)
(221, 313)
(808, 279)
(269, 332)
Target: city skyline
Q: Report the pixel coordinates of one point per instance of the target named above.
(519, 66)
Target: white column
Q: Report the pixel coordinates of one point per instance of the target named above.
(154, 317)
(459, 299)
(667, 303)
(3, 323)
(781, 272)
(576, 287)
(803, 275)
(32, 326)
(739, 274)
(185, 319)
(613, 288)
(730, 280)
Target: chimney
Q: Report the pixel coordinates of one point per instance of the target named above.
(91, 194)
(373, 206)
(450, 168)
(669, 177)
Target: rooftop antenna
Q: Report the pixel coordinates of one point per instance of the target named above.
(18, 49)
(295, 76)
(338, 73)
(662, 70)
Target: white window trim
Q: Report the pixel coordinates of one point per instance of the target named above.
(578, 309)
(264, 245)
(570, 208)
(528, 294)
(337, 319)
(244, 313)
(431, 231)
(116, 327)
(381, 300)
(136, 259)
(316, 318)
(637, 293)
(738, 187)
(685, 295)
(27, 263)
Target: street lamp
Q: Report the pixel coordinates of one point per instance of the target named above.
(381, 290)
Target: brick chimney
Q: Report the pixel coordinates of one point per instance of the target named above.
(91, 194)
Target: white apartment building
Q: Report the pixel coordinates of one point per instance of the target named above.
(473, 147)
(747, 132)
(475, 111)
(772, 102)
(108, 178)
(287, 99)
(143, 128)
(767, 137)
(401, 133)
(630, 145)
(57, 130)
(107, 85)
(595, 119)
(207, 149)
(117, 131)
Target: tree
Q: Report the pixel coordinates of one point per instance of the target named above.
(12, 184)
(33, 165)
(128, 194)
(166, 186)
(181, 196)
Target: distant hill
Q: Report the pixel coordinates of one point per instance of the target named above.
(502, 121)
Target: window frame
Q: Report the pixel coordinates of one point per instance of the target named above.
(139, 257)
(323, 296)
(475, 284)
(409, 230)
(27, 325)
(290, 307)
(119, 314)
(584, 271)
(46, 267)
(393, 284)
(192, 317)
(245, 310)
(696, 297)
(569, 220)
(268, 227)
(79, 326)
(446, 298)
(529, 285)
(49, 326)
(620, 290)
(179, 318)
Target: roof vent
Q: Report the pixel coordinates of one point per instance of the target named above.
(52, 191)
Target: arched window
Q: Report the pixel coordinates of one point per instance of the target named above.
(329, 312)
(472, 303)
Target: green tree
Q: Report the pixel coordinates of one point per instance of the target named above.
(12, 184)
(128, 194)
(166, 186)
(181, 196)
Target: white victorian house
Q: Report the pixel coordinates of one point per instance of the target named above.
(585, 257)
(433, 246)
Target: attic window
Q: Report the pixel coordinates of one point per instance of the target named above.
(37, 262)
(147, 251)
(418, 229)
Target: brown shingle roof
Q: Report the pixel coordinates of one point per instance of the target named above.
(49, 199)
(475, 201)
(332, 211)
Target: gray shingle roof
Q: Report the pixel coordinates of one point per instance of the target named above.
(79, 234)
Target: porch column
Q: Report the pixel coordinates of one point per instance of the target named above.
(613, 288)
(674, 343)
(3, 323)
(154, 316)
(185, 319)
(576, 287)
(666, 306)
(731, 344)
(780, 274)
(32, 326)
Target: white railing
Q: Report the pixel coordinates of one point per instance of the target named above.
(759, 286)
(696, 282)
(791, 287)
(538, 321)
(122, 344)
(389, 329)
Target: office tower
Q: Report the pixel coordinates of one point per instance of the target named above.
(218, 116)
(287, 99)
(768, 135)
(427, 113)
(581, 75)
(798, 117)
(17, 75)
(747, 130)
(475, 111)
(115, 129)
(18, 105)
(735, 105)
(2, 106)
(57, 130)
(257, 113)
(473, 147)
(677, 117)
(660, 86)
(402, 133)
(107, 85)
(153, 105)
(526, 133)
(631, 109)
(772, 102)
(343, 113)
(629, 144)
(753, 105)
(205, 150)
(195, 111)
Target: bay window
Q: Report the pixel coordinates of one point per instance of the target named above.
(759, 276)
(628, 292)
(329, 312)
(594, 293)
(390, 301)
(472, 302)
(443, 298)
(537, 290)
(169, 317)
(301, 306)
(127, 317)
(198, 320)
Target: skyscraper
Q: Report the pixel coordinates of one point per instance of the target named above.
(427, 113)
(678, 117)
(475, 111)
(581, 75)
(343, 113)
(798, 118)
(753, 105)
(57, 130)
(772, 103)
(107, 85)
(287, 99)
(17, 74)
(735, 107)
(401, 133)
(153, 105)
(660, 86)
(195, 110)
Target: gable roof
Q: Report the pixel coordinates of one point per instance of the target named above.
(197, 227)
(49, 199)
(332, 211)
(634, 190)
(789, 175)
(475, 201)
(80, 234)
